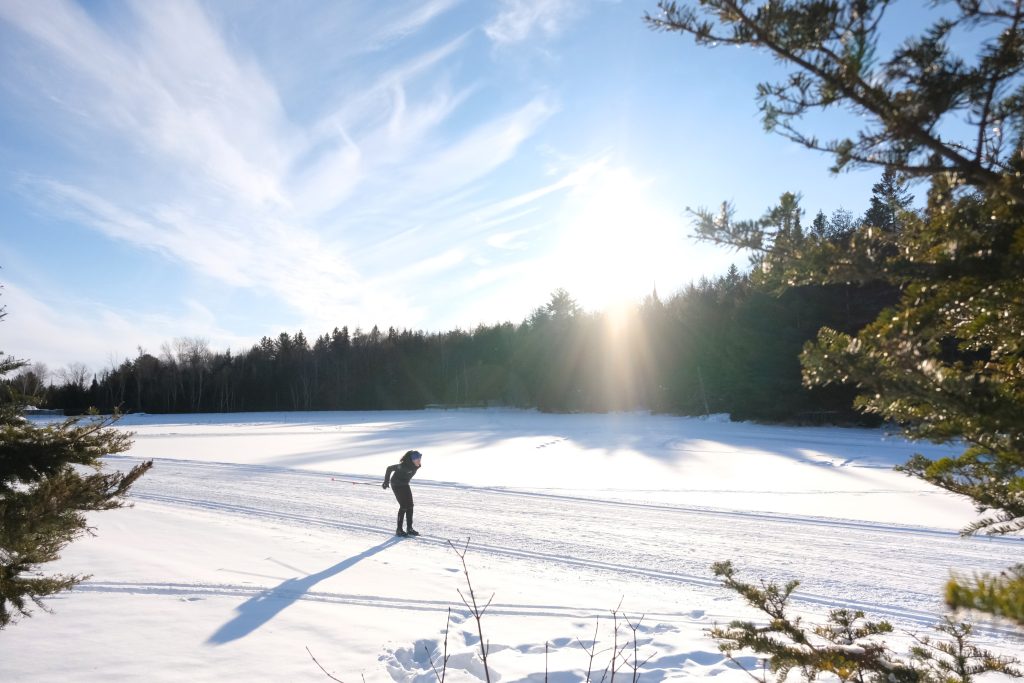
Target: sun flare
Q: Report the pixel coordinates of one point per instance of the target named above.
(617, 244)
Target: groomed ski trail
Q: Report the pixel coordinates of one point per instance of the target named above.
(889, 571)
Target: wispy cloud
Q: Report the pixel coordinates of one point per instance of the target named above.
(408, 21)
(217, 173)
(478, 152)
(38, 329)
(429, 266)
(521, 19)
(508, 240)
(172, 88)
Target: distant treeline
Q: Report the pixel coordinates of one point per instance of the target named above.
(719, 346)
(725, 345)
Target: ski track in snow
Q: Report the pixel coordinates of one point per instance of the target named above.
(186, 591)
(888, 571)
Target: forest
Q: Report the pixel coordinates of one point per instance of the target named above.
(727, 345)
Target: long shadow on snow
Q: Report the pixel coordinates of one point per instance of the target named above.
(261, 608)
(479, 430)
(660, 437)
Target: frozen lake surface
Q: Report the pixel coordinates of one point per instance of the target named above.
(256, 536)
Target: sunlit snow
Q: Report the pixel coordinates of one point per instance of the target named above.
(256, 536)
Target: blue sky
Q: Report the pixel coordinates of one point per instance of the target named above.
(235, 169)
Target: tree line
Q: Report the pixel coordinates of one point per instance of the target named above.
(729, 344)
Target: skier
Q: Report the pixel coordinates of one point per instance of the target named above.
(398, 476)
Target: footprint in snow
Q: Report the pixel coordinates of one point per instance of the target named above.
(660, 628)
(678, 661)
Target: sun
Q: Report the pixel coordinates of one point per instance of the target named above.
(617, 243)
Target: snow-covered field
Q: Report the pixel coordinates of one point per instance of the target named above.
(245, 547)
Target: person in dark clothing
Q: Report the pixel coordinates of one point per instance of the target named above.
(397, 477)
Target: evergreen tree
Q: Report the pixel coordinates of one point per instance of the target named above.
(820, 226)
(44, 495)
(946, 360)
(889, 199)
(560, 307)
(841, 225)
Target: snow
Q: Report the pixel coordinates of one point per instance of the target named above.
(257, 536)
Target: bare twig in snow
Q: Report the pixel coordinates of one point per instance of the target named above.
(593, 646)
(474, 607)
(326, 673)
(636, 663)
(445, 655)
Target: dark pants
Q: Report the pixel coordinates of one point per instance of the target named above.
(403, 494)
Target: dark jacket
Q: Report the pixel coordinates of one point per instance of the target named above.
(400, 473)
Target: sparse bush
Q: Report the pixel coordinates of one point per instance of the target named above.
(848, 645)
